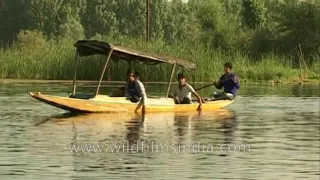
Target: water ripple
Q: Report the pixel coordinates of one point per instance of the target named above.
(259, 137)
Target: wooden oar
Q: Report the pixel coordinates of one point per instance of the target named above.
(204, 87)
(211, 84)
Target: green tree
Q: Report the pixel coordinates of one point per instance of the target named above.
(217, 28)
(56, 16)
(299, 24)
(159, 15)
(100, 18)
(253, 13)
(131, 18)
(13, 17)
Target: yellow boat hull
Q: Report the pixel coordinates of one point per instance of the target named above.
(107, 104)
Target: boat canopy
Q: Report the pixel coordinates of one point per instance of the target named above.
(93, 47)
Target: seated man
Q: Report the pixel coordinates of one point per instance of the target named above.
(229, 82)
(134, 89)
(120, 92)
(182, 94)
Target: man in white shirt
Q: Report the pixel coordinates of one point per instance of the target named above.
(182, 94)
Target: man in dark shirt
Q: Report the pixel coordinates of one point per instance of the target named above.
(229, 82)
(134, 89)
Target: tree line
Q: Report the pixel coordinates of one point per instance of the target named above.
(255, 27)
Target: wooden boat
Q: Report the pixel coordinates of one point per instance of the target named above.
(98, 103)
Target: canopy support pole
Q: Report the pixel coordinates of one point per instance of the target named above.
(171, 76)
(109, 73)
(104, 70)
(75, 72)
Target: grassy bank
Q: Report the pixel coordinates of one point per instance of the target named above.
(53, 60)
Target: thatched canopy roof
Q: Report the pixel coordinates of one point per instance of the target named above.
(92, 47)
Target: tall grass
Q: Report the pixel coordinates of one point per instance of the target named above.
(53, 59)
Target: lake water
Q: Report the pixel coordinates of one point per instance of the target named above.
(270, 132)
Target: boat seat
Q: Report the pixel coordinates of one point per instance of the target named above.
(117, 93)
(82, 95)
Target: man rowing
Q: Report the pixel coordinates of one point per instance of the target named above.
(229, 82)
(182, 94)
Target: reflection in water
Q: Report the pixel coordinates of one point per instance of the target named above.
(56, 117)
(281, 129)
(189, 128)
(74, 131)
(182, 123)
(134, 129)
(227, 118)
(130, 129)
(228, 126)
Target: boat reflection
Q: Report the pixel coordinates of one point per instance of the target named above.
(126, 130)
(132, 127)
(144, 120)
(194, 128)
(228, 127)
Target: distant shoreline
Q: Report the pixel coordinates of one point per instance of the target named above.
(39, 81)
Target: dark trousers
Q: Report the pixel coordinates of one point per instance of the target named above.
(135, 98)
(223, 96)
(185, 101)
